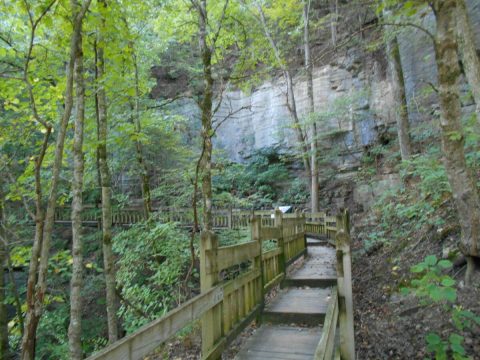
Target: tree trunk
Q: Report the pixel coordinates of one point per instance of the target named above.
(468, 52)
(35, 308)
(291, 103)
(206, 108)
(400, 98)
(460, 177)
(108, 257)
(76, 284)
(4, 349)
(333, 21)
(311, 107)
(144, 177)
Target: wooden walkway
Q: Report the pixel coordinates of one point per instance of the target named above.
(293, 319)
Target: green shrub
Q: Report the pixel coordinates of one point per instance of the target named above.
(152, 259)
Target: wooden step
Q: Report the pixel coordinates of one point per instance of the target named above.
(298, 306)
(318, 269)
(317, 242)
(281, 343)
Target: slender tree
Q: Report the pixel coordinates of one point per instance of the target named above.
(333, 4)
(37, 282)
(76, 283)
(468, 52)
(311, 106)
(206, 102)
(29, 343)
(287, 75)
(461, 179)
(4, 348)
(144, 175)
(399, 95)
(105, 178)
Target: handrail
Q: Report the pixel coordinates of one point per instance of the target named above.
(326, 346)
(340, 308)
(149, 337)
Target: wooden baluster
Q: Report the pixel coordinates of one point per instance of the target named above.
(280, 242)
(325, 224)
(344, 280)
(230, 218)
(256, 226)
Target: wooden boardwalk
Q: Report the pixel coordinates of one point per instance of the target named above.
(311, 316)
(293, 320)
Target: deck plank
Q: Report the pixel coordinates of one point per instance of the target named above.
(300, 301)
(320, 264)
(282, 343)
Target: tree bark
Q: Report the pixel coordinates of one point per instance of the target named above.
(206, 108)
(144, 177)
(311, 107)
(4, 348)
(108, 257)
(35, 307)
(76, 284)
(291, 103)
(400, 98)
(468, 52)
(333, 21)
(460, 177)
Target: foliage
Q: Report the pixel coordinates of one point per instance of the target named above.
(152, 257)
(233, 236)
(261, 181)
(433, 285)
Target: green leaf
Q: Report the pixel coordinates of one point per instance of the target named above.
(448, 281)
(445, 264)
(431, 260)
(455, 339)
(418, 268)
(436, 294)
(458, 349)
(404, 291)
(433, 339)
(449, 294)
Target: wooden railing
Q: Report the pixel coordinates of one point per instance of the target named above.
(316, 223)
(225, 307)
(340, 309)
(321, 224)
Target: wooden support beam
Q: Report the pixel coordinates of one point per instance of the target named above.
(209, 242)
(344, 280)
(280, 242)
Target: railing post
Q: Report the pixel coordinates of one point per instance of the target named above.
(230, 218)
(302, 222)
(280, 242)
(210, 320)
(256, 226)
(344, 280)
(325, 225)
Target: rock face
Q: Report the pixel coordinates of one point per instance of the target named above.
(261, 118)
(265, 120)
